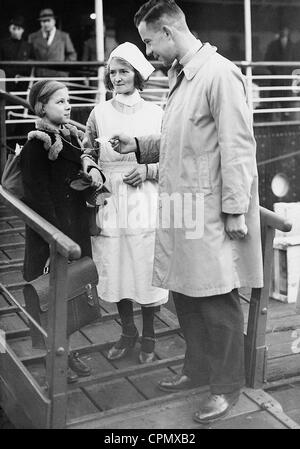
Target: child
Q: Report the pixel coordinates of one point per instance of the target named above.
(50, 159)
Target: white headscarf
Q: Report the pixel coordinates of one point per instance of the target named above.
(135, 57)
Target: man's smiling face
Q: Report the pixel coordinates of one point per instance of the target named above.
(158, 42)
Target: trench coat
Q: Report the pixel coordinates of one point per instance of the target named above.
(206, 148)
(47, 192)
(61, 49)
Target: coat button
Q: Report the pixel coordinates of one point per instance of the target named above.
(67, 196)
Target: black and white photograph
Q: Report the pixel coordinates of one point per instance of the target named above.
(149, 217)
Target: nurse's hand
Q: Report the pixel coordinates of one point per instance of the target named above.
(122, 143)
(235, 226)
(136, 176)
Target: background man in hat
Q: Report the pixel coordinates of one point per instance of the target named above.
(50, 44)
(15, 48)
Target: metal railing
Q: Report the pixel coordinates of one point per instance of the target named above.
(46, 408)
(86, 90)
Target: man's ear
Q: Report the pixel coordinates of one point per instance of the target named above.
(168, 31)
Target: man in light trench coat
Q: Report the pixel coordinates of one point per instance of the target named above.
(206, 147)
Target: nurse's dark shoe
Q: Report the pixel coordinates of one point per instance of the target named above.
(124, 345)
(147, 354)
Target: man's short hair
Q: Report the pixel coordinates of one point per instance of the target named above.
(153, 10)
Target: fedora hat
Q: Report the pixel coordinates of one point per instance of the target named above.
(46, 13)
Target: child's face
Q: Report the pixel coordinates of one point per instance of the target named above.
(58, 108)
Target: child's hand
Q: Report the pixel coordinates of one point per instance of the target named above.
(97, 180)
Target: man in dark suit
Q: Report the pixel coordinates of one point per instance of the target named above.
(50, 44)
(15, 48)
(281, 49)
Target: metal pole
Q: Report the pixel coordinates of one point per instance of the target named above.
(2, 125)
(57, 342)
(100, 46)
(248, 50)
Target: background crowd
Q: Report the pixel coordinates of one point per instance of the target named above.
(46, 44)
(49, 43)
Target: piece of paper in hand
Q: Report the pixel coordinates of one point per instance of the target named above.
(102, 140)
(18, 149)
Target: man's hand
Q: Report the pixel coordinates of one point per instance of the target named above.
(235, 226)
(122, 143)
(136, 176)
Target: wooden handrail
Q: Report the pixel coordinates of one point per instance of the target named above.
(274, 220)
(15, 99)
(65, 246)
(62, 248)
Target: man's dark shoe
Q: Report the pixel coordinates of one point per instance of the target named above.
(71, 376)
(78, 366)
(216, 406)
(177, 383)
(123, 346)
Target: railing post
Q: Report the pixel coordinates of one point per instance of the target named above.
(100, 48)
(3, 155)
(248, 49)
(57, 344)
(255, 348)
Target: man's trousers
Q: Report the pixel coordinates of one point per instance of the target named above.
(213, 330)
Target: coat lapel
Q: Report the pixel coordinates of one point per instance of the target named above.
(42, 42)
(56, 39)
(70, 153)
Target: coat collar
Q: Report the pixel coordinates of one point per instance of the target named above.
(68, 133)
(196, 62)
(53, 41)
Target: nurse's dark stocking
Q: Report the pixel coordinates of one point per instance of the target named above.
(129, 334)
(148, 338)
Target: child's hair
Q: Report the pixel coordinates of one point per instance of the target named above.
(40, 93)
(138, 79)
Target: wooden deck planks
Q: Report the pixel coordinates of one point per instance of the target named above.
(256, 420)
(14, 254)
(23, 348)
(78, 339)
(11, 238)
(11, 277)
(97, 362)
(283, 367)
(3, 302)
(12, 322)
(110, 395)
(170, 346)
(287, 396)
(104, 332)
(78, 405)
(170, 412)
(147, 383)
